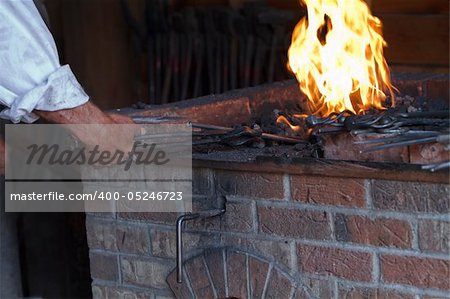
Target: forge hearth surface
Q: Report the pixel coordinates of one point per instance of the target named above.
(247, 154)
(246, 111)
(257, 160)
(393, 135)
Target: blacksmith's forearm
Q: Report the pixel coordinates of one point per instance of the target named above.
(87, 113)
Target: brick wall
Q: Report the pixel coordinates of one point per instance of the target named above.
(337, 237)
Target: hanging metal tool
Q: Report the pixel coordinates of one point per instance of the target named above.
(207, 214)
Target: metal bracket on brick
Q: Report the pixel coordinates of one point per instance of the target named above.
(206, 214)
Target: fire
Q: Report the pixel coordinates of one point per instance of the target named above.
(337, 57)
(283, 120)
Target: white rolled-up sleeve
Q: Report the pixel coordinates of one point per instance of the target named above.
(31, 77)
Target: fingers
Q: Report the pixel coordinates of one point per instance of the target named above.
(124, 119)
(120, 119)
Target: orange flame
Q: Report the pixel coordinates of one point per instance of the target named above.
(283, 120)
(337, 57)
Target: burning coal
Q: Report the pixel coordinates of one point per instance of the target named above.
(337, 56)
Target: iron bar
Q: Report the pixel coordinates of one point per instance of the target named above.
(385, 120)
(400, 144)
(180, 222)
(397, 138)
(154, 119)
(437, 166)
(267, 136)
(206, 214)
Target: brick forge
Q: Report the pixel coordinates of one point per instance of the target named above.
(306, 228)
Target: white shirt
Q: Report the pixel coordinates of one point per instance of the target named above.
(31, 76)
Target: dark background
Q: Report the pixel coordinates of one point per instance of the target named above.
(95, 40)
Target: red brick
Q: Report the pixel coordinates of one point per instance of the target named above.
(196, 271)
(428, 153)
(116, 237)
(279, 286)
(162, 218)
(258, 275)
(411, 196)
(366, 293)
(215, 262)
(237, 274)
(419, 272)
(164, 242)
(288, 222)
(238, 218)
(342, 263)
(202, 183)
(434, 236)
(333, 145)
(201, 203)
(181, 290)
(328, 190)
(250, 184)
(278, 250)
(320, 288)
(300, 293)
(146, 272)
(104, 266)
(118, 292)
(376, 232)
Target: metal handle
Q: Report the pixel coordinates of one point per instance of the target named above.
(188, 217)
